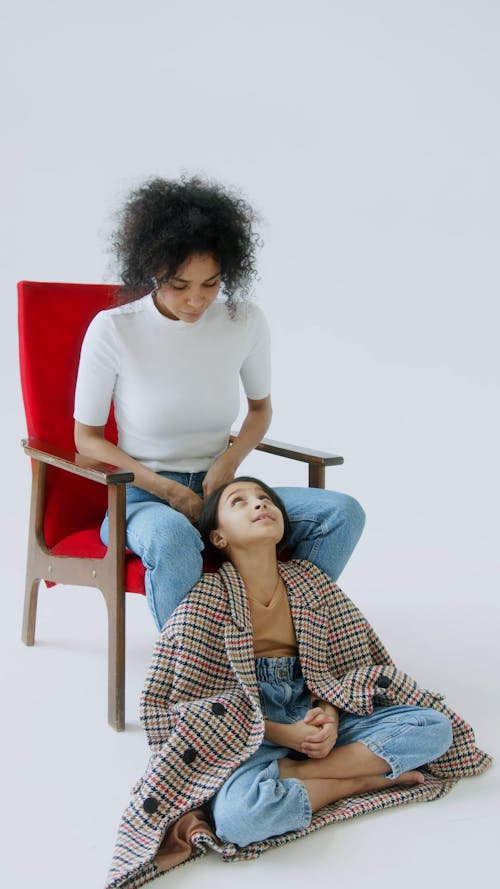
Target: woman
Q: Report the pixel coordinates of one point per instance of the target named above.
(171, 362)
(261, 663)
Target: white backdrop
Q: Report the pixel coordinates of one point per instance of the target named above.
(367, 135)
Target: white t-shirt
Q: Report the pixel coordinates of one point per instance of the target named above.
(174, 385)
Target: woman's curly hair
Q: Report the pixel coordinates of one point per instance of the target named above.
(163, 222)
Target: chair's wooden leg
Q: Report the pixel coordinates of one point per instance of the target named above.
(116, 664)
(35, 539)
(29, 614)
(115, 601)
(316, 475)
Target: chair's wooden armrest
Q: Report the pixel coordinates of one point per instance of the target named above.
(293, 452)
(104, 473)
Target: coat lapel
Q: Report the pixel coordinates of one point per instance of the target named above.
(238, 632)
(312, 627)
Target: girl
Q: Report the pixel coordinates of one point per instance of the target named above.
(345, 754)
(271, 701)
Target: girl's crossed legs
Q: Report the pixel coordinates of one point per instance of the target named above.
(271, 794)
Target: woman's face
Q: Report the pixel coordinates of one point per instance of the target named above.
(247, 516)
(188, 293)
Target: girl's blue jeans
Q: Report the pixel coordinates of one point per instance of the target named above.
(325, 525)
(254, 803)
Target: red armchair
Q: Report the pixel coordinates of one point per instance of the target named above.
(70, 493)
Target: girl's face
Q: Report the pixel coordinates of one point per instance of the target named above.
(247, 516)
(192, 289)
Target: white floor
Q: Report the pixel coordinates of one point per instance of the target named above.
(66, 775)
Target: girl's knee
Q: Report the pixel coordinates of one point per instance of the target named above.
(229, 821)
(443, 732)
(240, 829)
(259, 807)
(239, 810)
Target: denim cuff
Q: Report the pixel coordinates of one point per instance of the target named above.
(392, 760)
(304, 810)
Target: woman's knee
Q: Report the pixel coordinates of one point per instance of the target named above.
(155, 531)
(352, 513)
(338, 511)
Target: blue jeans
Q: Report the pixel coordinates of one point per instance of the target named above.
(254, 803)
(326, 527)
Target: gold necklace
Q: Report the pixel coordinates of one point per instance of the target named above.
(265, 604)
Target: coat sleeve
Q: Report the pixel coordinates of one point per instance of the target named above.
(378, 651)
(359, 638)
(155, 708)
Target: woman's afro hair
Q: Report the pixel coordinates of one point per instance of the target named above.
(163, 222)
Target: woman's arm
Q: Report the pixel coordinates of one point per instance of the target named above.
(91, 442)
(252, 432)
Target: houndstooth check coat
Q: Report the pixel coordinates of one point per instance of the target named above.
(200, 708)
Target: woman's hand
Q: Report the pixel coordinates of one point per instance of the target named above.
(220, 472)
(184, 500)
(91, 442)
(254, 427)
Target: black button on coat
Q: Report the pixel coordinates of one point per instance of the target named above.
(383, 682)
(150, 805)
(189, 755)
(218, 709)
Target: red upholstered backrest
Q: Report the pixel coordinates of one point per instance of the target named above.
(53, 319)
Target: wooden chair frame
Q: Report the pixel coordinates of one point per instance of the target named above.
(108, 574)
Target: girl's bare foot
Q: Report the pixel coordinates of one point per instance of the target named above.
(293, 768)
(413, 777)
(322, 791)
(380, 782)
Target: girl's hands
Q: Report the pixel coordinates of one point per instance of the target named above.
(325, 719)
(315, 735)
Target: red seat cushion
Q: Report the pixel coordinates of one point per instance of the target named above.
(87, 544)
